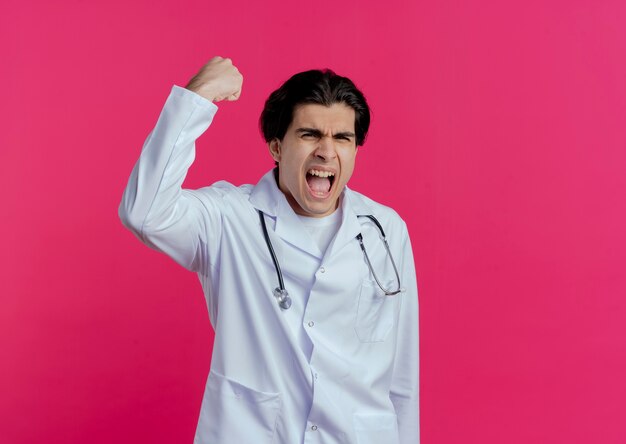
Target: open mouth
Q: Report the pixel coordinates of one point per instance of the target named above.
(320, 182)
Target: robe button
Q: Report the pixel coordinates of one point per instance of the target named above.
(322, 270)
(311, 323)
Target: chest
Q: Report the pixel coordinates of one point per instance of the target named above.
(334, 292)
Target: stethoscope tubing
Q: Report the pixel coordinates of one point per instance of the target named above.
(281, 284)
(281, 293)
(359, 237)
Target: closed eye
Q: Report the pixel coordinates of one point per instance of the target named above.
(348, 137)
(312, 133)
(309, 133)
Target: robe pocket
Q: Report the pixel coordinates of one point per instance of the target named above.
(376, 428)
(376, 312)
(234, 413)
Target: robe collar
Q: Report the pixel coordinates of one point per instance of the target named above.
(267, 197)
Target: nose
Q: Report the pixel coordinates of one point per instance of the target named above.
(326, 149)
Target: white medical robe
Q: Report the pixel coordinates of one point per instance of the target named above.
(341, 365)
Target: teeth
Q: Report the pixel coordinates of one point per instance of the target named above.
(321, 173)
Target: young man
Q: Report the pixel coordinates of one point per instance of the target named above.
(315, 316)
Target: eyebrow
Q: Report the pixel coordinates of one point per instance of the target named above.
(317, 133)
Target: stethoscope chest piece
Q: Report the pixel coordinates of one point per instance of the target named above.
(281, 295)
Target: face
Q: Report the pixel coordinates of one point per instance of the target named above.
(316, 157)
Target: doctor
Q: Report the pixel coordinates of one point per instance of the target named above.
(314, 305)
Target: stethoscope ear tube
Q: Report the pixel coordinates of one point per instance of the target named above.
(387, 292)
(380, 227)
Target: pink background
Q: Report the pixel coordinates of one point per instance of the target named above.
(498, 134)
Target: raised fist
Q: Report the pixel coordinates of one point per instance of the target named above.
(218, 80)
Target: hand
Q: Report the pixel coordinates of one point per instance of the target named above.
(218, 80)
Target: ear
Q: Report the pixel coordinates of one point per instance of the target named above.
(274, 147)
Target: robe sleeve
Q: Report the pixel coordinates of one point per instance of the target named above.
(184, 224)
(404, 392)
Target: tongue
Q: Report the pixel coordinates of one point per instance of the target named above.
(318, 184)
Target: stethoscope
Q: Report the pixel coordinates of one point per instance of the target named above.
(281, 294)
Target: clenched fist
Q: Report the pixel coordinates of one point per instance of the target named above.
(218, 80)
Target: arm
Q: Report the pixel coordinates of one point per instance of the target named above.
(405, 383)
(154, 207)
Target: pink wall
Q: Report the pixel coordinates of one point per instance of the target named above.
(499, 135)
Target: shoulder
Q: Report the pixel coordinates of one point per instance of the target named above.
(387, 216)
(224, 193)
